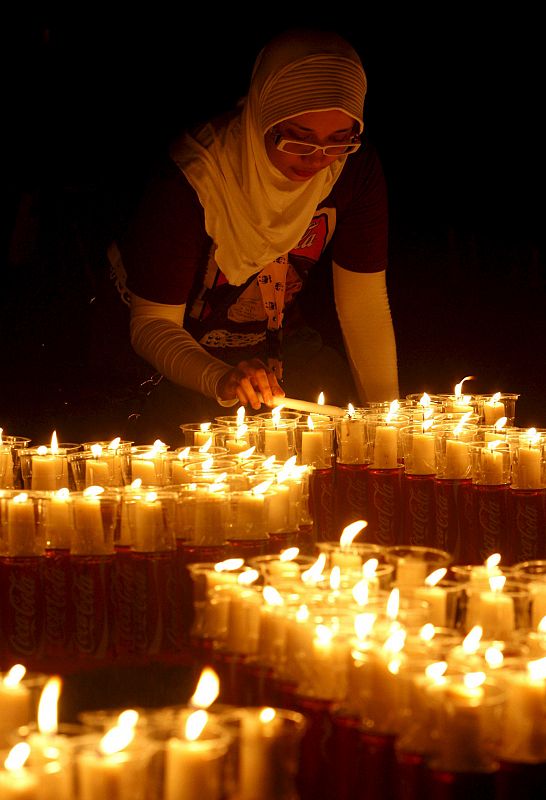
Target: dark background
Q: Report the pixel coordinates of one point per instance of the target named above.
(454, 106)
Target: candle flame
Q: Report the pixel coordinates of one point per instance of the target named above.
(361, 592)
(393, 410)
(128, 718)
(205, 447)
(335, 578)
(494, 399)
(494, 657)
(262, 487)
(435, 577)
(246, 453)
(276, 416)
(195, 725)
(351, 531)
(54, 443)
(136, 484)
(267, 715)
(310, 423)
(17, 756)
(302, 614)
(425, 400)
(537, 669)
(493, 561)
(248, 577)
(393, 604)
(240, 415)
(436, 671)
(395, 642)
(350, 410)
(531, 437)
(96, 450)
(473, 680)
(207, 689)
(541, 627)
(459, 386)
(42, 450)
(116, 739)
(320, 400)
(150, 497)
(500, 423)
(115, 443)
(314, 573)
(427, 632)
(15, 675)
(22, 497)
(62, 494)
(205, 426)
(229, 564)
(369, 568)
(289, 554)
(471, 642)
(269, 462)
(47, 707)
(427, 424)
(394, 665)
(496, 583)
(93, 491)
(363, 625)
(271, 596)
(323, 635)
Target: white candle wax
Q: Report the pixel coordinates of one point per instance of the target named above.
(201, 437)
(457, 459)
(243, 621)
(494, 611)
(313, 449)
(385, 454)
(210, 519)
(97, 472)
(15, 710)
(346, 560)
(60, 523)
(148, 519)
(492, 467)
(308, 407)
(237, 445)
(529, 465)
(193, 770)
(423, 454)
(493, 411)
(248, 516)
(277, 503)
(107, 776)
(18, 784)
(276, 443)
(461, 742)
(351, 444)
(147, 470)
(327, 676)
(436, 598)
(524, 725)
(258, 757)
(88, 536)
(410, 572)
(6, 468)
(48, 472)
(22, 531)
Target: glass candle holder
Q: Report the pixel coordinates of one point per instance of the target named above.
(278, 438)
(149, 464)
(500, 609)
(315, 443)
(351, 440)
(414, 563)
(44, 469)
(493, 407)
(15, 443)
(264, 753)
(100, 466)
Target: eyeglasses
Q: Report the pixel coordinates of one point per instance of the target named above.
(307, 149)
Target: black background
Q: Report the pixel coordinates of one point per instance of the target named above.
(454, 106)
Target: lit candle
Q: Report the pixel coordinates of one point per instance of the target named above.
(259, 754)
(493, 610)
(385, 454)
(194, 764)
(462, 732)
(524, 728)
(15, 707)
(276, 439)
(528, 461)
(423, 451)
(97, 469)
(112, 770)
(59, 521)
(351, 440)
(492, 463)
(435, 596)
(22, 530)
(49, 467)
(457, 459)
(148, 518)
(314, 446)
(89, 535)
(493, 409)
(17, 782)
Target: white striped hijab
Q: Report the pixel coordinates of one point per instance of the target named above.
(253, 213)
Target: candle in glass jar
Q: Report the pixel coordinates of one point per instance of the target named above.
(385, 454)
(193, 764)
(493, 409)
(15, 703)
(457, 459)
(22, 529)
(529, 466)
(423, 454)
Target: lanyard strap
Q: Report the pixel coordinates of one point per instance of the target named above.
(272, 283)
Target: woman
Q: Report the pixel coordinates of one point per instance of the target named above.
(229, 231)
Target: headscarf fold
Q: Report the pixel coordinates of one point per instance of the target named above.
(253, 213)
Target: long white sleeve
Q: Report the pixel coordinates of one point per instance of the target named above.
(366, 323)
(157, 336)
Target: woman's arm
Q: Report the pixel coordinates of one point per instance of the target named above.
(364, 314)
(157, 336)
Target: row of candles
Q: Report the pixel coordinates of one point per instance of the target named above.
(170, 753)
(424, 673)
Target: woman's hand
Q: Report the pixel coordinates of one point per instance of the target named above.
(248, 380)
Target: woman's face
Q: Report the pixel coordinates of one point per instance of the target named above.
(314, 127)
